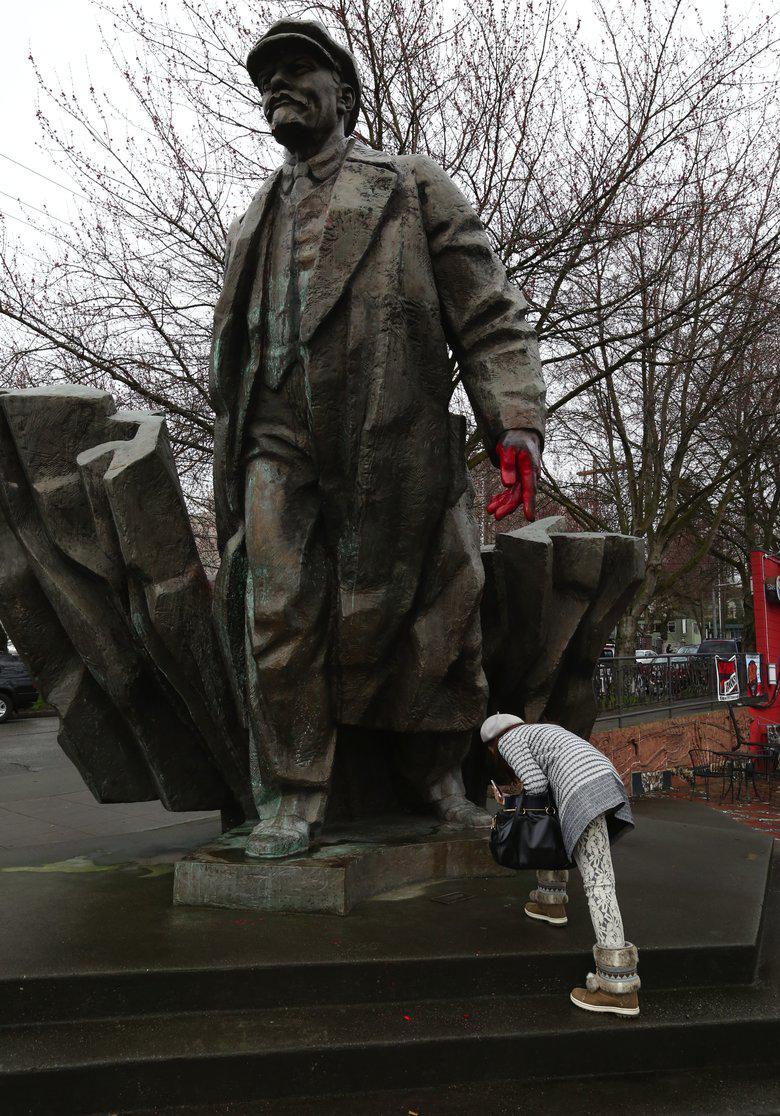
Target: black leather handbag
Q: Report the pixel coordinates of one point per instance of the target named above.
(527, 834)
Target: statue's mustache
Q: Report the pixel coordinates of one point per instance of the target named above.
(285, 99)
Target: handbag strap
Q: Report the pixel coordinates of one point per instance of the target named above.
(537, 803)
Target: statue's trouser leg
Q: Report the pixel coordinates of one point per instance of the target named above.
(431, 761)
(287, 626)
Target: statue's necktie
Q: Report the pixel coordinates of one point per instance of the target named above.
(302, 183)
(299, 238)
(302, 186)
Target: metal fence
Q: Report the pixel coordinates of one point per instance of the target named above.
(629, 689)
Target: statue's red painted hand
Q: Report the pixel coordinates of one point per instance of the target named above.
(519, 454)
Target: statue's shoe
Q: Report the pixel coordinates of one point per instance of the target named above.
(457, 810)
(279, 837)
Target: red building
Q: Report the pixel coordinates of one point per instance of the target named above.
(765, 571)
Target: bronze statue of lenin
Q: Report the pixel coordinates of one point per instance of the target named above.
(351, 578)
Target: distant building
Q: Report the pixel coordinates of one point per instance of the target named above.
(681, 630)
(722, 617)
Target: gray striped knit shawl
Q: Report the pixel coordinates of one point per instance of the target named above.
(583, 782)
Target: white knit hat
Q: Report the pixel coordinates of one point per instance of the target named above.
(498, 723)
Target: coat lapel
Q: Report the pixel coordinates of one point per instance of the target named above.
(238, 273)
(251, 224)
(358, 203)
(226, 368)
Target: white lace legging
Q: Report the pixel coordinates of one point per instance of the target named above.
(594, 860)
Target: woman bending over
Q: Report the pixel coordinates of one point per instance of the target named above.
(593, 809)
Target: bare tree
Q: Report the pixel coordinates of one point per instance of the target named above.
(688, 588)
(751, 520)
(660, 398)
(627, 178)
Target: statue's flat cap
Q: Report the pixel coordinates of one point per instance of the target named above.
(287, 33)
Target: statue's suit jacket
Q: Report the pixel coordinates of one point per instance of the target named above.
(404, 270)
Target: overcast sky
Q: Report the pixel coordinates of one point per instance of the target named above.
(63, 35)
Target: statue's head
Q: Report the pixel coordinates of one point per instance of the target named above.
(309, 83)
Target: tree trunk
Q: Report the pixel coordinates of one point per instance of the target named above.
(626, 637)
(629, 622)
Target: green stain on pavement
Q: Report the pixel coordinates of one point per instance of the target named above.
(82, 864)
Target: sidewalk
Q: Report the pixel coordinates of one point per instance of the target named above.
(764, 817)
(43, 800)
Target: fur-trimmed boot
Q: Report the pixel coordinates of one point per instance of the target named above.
(547, 902)
(613, 987)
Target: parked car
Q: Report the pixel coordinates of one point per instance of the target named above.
(17, 689)
(683, 655)
(723, 648)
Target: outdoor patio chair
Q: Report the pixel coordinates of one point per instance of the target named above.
(706, 765)
(758, 765)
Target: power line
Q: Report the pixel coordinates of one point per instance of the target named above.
(24, 221)
(61, 185)
(29, 205)
(188, 295)
(40, 174)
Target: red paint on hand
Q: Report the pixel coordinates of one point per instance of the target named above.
(508, 464)
(517, 477)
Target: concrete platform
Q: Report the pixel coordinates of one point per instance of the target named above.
(353, 863)
(690, 882)
(111, 999)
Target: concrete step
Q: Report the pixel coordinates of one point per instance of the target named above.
(726, 1090)
(121, 1064)
(384, 979)
(113, 1001)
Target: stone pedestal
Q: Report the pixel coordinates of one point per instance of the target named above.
(353, 863)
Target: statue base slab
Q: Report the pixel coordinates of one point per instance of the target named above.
(354, 862)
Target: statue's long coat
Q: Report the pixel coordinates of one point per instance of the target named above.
(404, 271)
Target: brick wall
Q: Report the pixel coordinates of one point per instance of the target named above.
(663, 745)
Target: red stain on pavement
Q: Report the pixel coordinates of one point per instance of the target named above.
(762, 816)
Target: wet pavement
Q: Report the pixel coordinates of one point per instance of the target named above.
(758, 814)
(44, 803)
